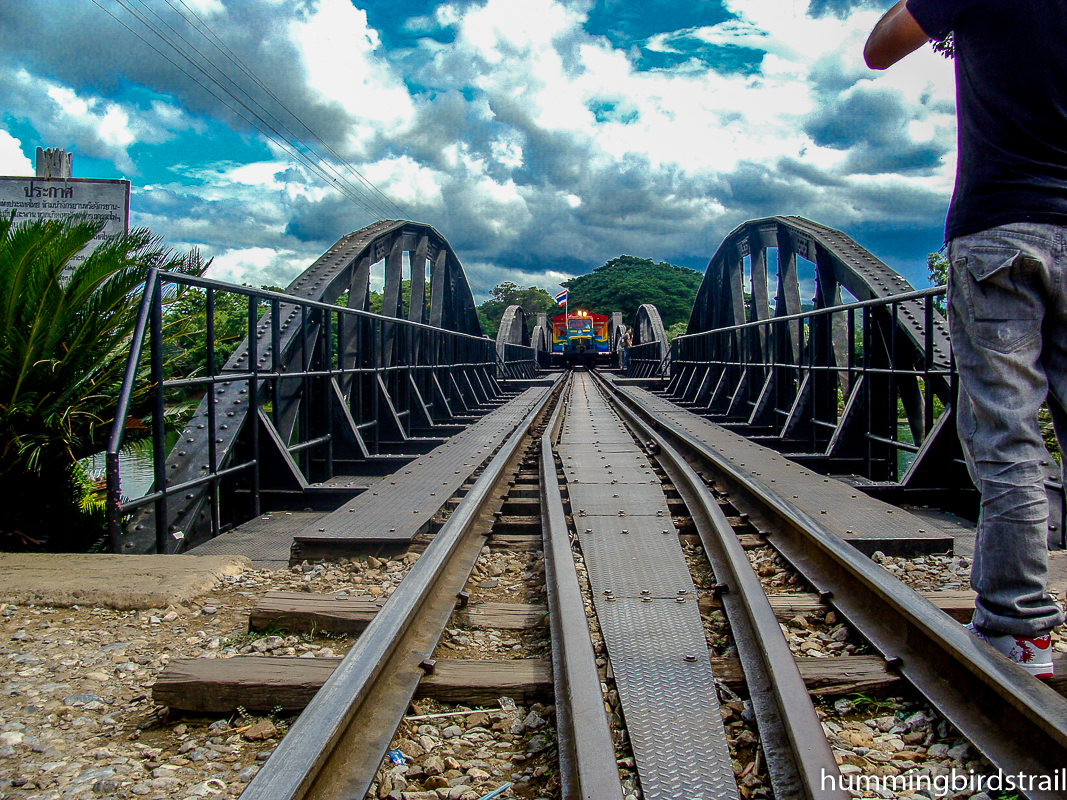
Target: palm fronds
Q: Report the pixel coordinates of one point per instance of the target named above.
(65, 325)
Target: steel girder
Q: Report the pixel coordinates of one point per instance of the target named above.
(823, 387)
(649, 351)
(516, 352)
(401, 380)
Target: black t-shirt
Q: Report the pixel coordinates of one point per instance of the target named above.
(1011, 103)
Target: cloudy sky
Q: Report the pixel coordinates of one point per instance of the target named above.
(541, 137)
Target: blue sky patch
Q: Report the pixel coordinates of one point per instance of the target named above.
(626, 24)
(725, 59)
(609, 111)
(392, 20)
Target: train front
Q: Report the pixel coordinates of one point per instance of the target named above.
(580, 338)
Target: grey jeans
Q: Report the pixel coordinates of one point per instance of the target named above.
(1007, 303)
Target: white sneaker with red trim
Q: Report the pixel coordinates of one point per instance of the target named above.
(1034, 654)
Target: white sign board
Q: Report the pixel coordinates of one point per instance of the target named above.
(52, 198)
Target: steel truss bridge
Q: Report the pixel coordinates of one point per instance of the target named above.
(323, 396)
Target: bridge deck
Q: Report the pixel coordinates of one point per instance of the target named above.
(867, 523)
(640, 583)
(401, 506)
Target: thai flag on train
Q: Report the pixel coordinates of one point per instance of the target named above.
(561, 298)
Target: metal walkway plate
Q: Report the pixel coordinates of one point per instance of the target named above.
(658, 652)
(266, 539)
(633, 555)
(606, 500)
(614, 468)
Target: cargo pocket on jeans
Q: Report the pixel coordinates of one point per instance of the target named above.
(1001, 287)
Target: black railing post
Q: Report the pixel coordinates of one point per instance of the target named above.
(122, 410)
(212, 447)
(253, 398)
(159, 455)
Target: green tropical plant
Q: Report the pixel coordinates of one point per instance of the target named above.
(64, 333)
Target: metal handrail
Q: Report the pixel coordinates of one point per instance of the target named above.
(463, 351)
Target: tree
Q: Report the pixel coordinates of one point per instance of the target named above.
(937, 267)
(624, 283)
(533, 299)
(63, 348)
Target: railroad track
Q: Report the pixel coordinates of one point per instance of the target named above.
(616, 489)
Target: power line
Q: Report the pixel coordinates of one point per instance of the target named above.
(236, 60)
(319, 166)
(272, 132)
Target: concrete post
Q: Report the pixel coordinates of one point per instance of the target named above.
(54, 162)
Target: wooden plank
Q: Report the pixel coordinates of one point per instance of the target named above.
(484, 682)
(299, 612)
(219, 685)
(502, 616)
(521, 542)
(824, 676)
(958, 604)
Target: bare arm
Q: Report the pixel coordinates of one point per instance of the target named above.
(896, 35)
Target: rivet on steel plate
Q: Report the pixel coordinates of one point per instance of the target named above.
(588, 530)
(665, 531)
(683, 591)
(646, 599)
(679, 599)
(624, 531)
(645, 591)
(690, 659)
(321, 530)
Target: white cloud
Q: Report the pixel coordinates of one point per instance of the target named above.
(344, 65)
(12, 161)
(93, 125)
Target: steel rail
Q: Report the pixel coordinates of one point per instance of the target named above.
(586, 750)
(1014, 720)
(799, 759)
(335, 747)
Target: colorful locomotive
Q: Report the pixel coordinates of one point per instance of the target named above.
(580, 337)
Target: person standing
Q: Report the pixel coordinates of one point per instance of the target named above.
(1007, 289)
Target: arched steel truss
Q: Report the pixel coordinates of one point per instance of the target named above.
(318, 393)
(514, 349)
(826, 386)
(648, 356)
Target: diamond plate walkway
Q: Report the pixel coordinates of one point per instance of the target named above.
(645, 601)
